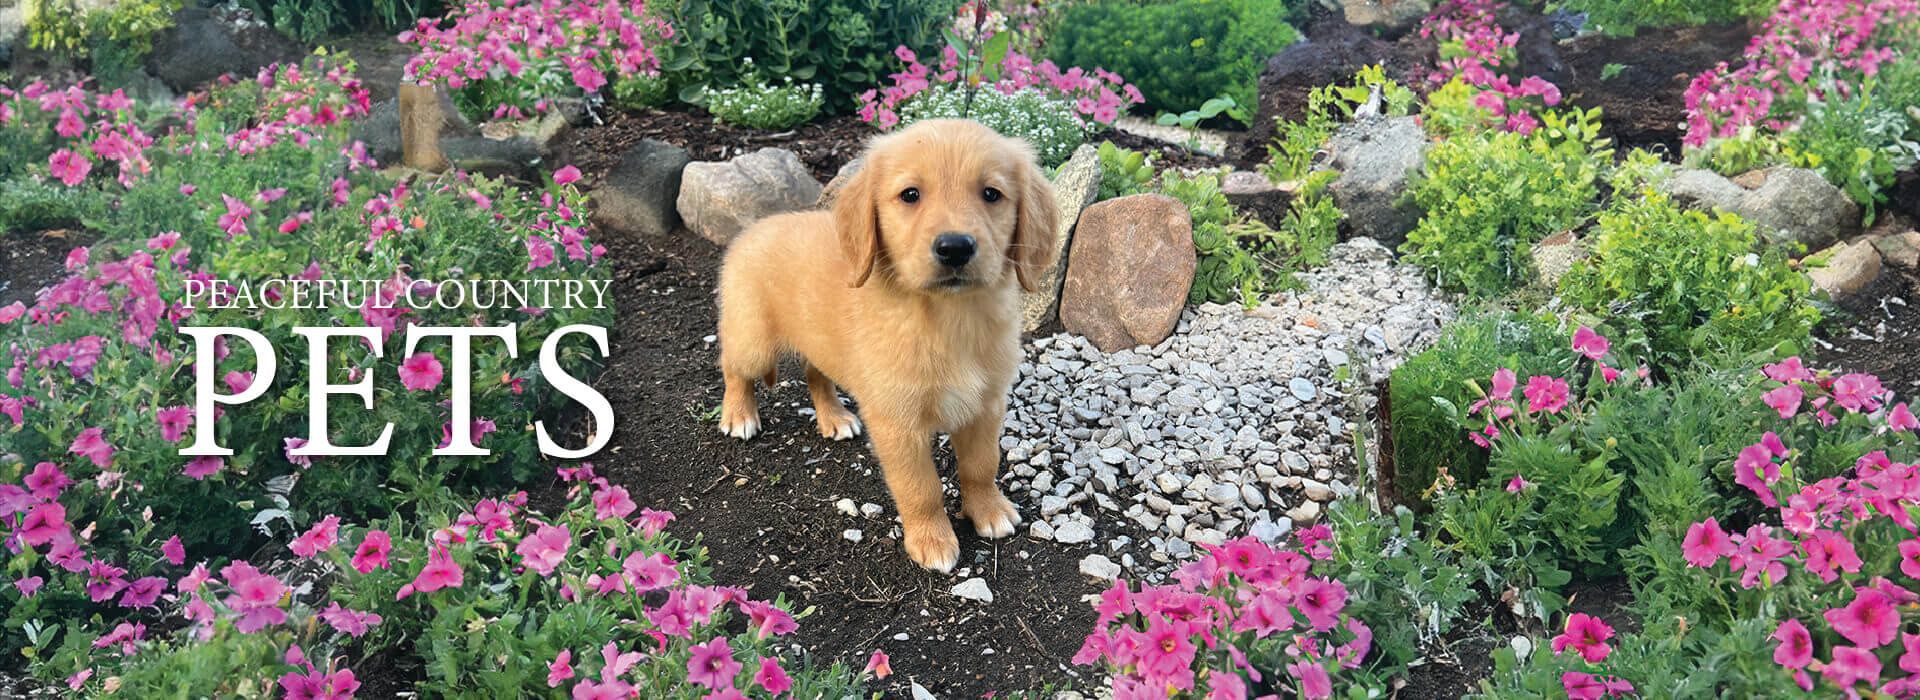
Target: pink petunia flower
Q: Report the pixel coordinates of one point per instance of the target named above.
(1589, 343)
(421, 372)
(372, 552)
(1586, 635)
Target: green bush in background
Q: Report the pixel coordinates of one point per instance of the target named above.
(311, 20)
(844, 45)
(1625, 17)
(1180, 53)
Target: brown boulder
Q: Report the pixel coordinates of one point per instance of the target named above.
(719, 200)
(1128, 272)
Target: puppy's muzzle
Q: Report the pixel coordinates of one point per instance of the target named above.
(953, 250)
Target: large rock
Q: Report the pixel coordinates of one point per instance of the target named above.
(1387, 16)
(1786, 205)
(1901, 251)
(1074, 188)
(640, 194)
(839, 181)
(380, 130)
(1376, 159)
(1849, 268)
(202, 46)
(719, 200)
(1129, 270)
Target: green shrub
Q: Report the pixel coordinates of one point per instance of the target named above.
(1048, 124)
(1625, 17)
(638, 92)
(1490, 195)
(1218, 46)
(1687, 284)
(763, 106)
(113, 39)
(1242, 260)
(844, 45)
(312, 20)
(1399, 581)
(37, 205)
(1431, 390)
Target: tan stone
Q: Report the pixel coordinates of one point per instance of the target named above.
(1130, 267)
(1849, 269)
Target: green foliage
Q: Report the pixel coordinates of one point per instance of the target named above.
(1688, 284)
(1503, 544)
(1450, 110)
(1402, 585)
(1215, 107)
(760, 105)
(1242, 260)
(1699, 663)
(37, 205)
(1430, 391)
(846, 46)
(1219, 46)
(1291, 153)
(115, 38)
(1122, 172)
(1047, 124)
(313, 20)
(638, 92)
(1625, 17)
(1490, 195)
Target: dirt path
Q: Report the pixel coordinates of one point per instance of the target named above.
(766, 511)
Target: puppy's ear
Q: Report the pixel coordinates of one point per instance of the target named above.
(1037, 226)
(857, 217)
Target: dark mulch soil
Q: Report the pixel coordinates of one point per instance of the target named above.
(1642, 105)
(1878, 334)
(823, 144)
(765, 508)
(33, 260)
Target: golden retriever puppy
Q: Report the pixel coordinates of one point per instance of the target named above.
(907, 294)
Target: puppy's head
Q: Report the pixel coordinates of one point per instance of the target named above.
(947, 206)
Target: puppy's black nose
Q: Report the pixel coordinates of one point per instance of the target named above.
(953, 249)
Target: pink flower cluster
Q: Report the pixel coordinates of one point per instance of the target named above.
(1097, 98)
(1807, 49)
(588, 43)
(1543, 395)
(1244, 610)
(89, 128)
(1823, 529)
(1476, 49)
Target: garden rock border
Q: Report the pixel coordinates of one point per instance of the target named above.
(1377, 160)
(1787, 205)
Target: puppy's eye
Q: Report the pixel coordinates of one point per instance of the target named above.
(910, 195)
(991, 195)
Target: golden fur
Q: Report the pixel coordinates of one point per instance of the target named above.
(923, 348)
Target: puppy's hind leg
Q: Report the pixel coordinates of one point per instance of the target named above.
(976, 448)
(833, 418)
(747, 352)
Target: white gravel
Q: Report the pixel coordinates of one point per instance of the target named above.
(1240, 423)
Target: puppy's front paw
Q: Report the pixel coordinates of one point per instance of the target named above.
(933, 545)
(992, 514)
(739, 422)
(838, 425)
